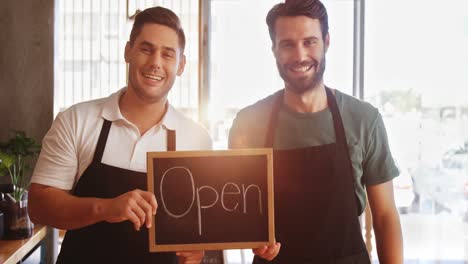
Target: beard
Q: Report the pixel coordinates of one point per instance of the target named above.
(301, 85)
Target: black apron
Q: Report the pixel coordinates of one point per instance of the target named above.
(316, 211)
(105, 242)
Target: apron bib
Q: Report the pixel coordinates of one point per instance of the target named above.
(110, 242)
(316, 212)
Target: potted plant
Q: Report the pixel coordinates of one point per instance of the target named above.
(15, 157)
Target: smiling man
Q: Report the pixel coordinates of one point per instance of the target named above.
(91, 173)
(330, 150)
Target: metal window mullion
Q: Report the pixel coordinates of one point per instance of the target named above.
(181, 90)
(204, 25)
(118, 45)
(82, 51)
(73, 53)
(358, 49)
(100, 47)
(189, 69)
(91, 48)
(109, 63)
(64, 88)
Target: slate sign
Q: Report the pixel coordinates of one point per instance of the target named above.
(209, 200)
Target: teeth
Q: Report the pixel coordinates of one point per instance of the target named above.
(153, 77)
(301, 69)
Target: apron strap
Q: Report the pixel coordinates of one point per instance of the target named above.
(272, 123)
(102, 141)
(337, 124)
(341, 137)
(337, 121)
(171, 140)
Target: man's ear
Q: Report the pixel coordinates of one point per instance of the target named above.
(327, 42)
(127, 52)
(273, 50)
(182, 62)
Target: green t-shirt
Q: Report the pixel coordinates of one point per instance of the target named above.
(366, 136)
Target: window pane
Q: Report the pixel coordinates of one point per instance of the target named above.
(416, 73)
(89, 47)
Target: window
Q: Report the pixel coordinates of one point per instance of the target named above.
(89, 48)
(416, 73)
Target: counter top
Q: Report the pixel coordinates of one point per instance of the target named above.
(13, 251)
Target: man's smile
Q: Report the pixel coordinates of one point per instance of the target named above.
(302, 68)
(153, 77)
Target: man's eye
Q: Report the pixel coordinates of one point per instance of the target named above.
(310, 42)
(168, 55)
(146, 50)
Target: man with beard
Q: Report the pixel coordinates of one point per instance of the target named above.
(330, 150)
(91, 173)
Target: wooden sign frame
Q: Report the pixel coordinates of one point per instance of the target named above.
(153, 247)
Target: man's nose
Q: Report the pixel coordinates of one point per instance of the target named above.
(156, 60)
(300, 54)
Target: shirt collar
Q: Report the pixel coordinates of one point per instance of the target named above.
(169, 120)
(111, 111)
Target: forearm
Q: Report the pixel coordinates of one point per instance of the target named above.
(60, 209)
(389, 239)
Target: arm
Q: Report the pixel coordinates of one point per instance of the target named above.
(66, 211)
(386, 223)
(55, 173)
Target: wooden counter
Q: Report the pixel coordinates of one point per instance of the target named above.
(13, 251)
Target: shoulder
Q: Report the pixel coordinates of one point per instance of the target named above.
(356, 111)
(84, 112)
(355, 105)
(80, 124)
(260, 110)
(362, 122)
(250, 125)
(68, 145)
(80, 121)
(190, 134)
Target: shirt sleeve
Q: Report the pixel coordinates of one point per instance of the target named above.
(378, 165)
(57, 163)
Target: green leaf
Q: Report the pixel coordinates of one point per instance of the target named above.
(14, 157)
(6, 160)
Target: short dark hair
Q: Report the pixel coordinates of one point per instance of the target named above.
(309, 8)
(158, 15)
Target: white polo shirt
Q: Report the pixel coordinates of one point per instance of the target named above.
(68, 147)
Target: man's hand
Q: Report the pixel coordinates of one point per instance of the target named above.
(268, 252)
(190, 257)
(137, 206)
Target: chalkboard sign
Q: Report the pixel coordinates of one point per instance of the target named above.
(210, 200)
